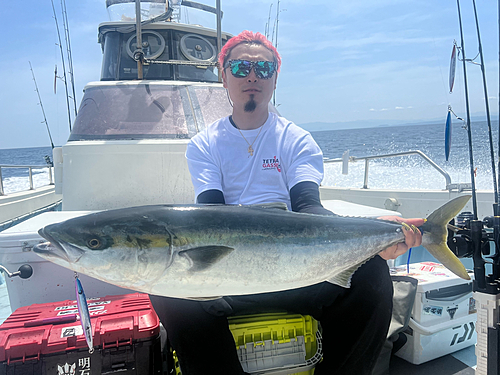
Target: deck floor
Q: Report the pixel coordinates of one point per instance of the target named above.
(462, 362)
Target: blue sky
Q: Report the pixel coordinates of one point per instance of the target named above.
(356, 60)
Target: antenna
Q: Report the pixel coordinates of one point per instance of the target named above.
(41, 105)
(68, 45)
(64, 67)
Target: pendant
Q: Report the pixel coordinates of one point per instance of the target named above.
(250, 150)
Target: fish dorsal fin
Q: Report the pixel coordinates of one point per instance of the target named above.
(204, 257)
(278, 205)
(343, 279)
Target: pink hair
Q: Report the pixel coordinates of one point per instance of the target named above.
(248, 37)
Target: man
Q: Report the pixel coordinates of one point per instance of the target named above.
(252, 157)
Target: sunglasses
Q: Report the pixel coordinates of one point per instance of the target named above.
(242, 68)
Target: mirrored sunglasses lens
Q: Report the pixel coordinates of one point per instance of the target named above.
(264, 69)
(240, 68)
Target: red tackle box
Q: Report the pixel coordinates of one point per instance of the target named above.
(48, 339)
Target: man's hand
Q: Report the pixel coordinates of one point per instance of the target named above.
(412, 238)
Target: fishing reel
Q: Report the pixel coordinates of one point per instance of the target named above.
(48, 161)
(460, 238)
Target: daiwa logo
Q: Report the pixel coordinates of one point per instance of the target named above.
(272, 163)
(465, 332)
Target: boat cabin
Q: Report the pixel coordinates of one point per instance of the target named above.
(128, 141)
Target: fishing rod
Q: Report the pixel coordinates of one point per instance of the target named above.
(276, 40)
(480, 47)
(469, 133)
(68, 50)
(473, 239)
(485, 283)
(496, 211)
(41, 106)
(268, 21)
(277, 23)
(64, 67)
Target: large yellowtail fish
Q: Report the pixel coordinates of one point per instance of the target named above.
(204, 251)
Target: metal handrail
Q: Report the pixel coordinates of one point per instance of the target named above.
(411, 152)
(30, 171)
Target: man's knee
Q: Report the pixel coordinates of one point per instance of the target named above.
(373, 274)
(372, 285)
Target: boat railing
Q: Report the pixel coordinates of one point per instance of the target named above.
(30, 174)
(346, 159)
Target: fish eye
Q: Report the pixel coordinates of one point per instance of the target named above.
(94, 243)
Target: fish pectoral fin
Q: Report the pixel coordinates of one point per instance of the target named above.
(204, 257)
(343, 279)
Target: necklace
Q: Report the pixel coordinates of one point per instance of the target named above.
(250, 148)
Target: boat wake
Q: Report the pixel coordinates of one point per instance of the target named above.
(401, 174)
(21, 183)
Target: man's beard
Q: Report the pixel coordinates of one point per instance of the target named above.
(250, 105)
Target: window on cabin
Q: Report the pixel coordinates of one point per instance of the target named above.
(147, 111)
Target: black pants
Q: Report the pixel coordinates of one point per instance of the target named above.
(354, 322)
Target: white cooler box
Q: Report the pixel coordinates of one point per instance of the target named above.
(443, 318)
(49, 282)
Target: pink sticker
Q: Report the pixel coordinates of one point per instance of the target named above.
(427, 268)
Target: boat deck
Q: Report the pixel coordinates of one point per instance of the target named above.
(462, 362)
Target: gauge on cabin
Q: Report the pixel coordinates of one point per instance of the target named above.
(153, 44)
(197, 48)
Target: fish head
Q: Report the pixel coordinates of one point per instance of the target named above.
(111, 245)
(73, 239)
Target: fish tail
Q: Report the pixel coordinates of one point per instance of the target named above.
(436, 233)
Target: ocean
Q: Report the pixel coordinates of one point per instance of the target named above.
(16, 179)
(410, 172)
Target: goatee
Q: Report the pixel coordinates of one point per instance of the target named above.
(250, 105)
